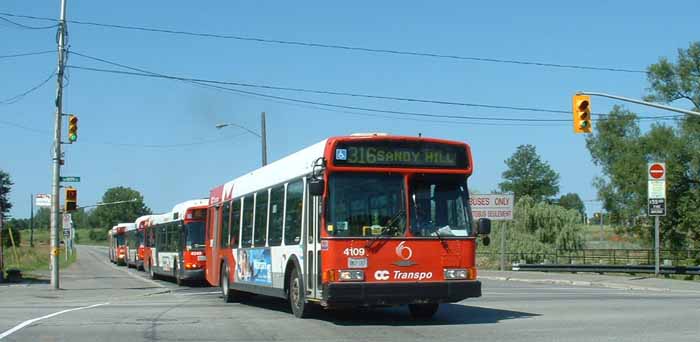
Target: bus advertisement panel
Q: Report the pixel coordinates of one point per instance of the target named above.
(350, 221)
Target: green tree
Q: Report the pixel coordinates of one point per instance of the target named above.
(109, 215)
(528, 175)
(42, 218)
(623, 152)
(573, 201)
(5, 188)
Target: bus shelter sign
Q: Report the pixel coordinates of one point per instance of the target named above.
(656, 189)
(497, 207)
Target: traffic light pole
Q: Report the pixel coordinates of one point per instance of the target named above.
(55, 184)
(645, 103)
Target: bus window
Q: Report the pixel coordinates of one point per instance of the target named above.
(235, 222)
(274, 236)
(439, 202)
(292, 225)
(247, 227)
(260, 219)
(225, 225)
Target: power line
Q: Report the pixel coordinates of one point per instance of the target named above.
(17, 98)
(145, 73)
(338, 46)
(27, 54)
(27, 26)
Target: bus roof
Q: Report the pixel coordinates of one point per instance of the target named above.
(292, 166)
(178, 212)
(142, 220)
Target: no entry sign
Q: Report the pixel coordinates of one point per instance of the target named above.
(657, 171)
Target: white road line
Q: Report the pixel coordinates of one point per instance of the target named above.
(198, 293)
(31, 321)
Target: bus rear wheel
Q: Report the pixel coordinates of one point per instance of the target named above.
(228, 294)
(423, 311)
(297, 297)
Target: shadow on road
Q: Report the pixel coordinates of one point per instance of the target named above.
(449, 314)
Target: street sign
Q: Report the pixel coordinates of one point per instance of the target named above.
(497, 207)
(73, 179)
(42, 200)
(67, 224)
(656, 189)
(657, 171)
(657, 207)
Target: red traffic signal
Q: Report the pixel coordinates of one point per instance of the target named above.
(71, 199)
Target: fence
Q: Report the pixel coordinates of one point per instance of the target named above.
(689, 257)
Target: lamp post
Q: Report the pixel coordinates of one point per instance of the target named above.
(262, 135)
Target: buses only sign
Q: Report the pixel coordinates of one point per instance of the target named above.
(497, 207)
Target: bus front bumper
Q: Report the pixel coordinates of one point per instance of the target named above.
(396, 293)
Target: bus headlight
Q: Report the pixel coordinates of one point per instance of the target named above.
(455, 273)
(351, 275)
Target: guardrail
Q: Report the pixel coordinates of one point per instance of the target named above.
(688, 257)
(689, 270)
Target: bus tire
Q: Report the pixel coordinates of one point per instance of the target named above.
(423, 311)
(228, 294)
(176, 273)
(154, 276)
(297, 296)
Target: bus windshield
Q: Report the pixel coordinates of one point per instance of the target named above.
(439, 206)
(366, 204)
(120, 239)
(195, 235)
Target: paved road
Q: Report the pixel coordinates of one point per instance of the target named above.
(139, 309)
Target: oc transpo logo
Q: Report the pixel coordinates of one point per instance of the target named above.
(405, 253)
(381, 275)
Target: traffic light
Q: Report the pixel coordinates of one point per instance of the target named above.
(72, 128)
(582, 113)
(71, 199)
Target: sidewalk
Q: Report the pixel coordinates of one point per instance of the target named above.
(621, 281)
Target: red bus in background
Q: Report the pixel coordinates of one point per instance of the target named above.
(135, 236)
(117, 243)
(176, 242)
(360, 220)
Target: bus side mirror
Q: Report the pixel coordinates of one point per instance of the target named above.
(316, 187)
(483, 226)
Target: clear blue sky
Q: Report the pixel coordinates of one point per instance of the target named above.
(116, 109)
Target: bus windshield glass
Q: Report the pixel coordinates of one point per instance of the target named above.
(366, 204)
(195, 235)
(140, 237)
(439, 206)
(120, 239)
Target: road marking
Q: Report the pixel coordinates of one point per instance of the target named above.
(198, 293)
(31, 321)
(126, 271)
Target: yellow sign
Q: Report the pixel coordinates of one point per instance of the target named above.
(56, 251)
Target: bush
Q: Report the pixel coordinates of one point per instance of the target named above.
(6, 237)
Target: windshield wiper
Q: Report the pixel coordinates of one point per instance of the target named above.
(442, 241)
(387, 228)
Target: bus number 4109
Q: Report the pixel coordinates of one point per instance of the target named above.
(354, 252)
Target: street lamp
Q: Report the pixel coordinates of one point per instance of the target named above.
(261, 135)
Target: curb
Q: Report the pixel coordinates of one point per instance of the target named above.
(585, 283)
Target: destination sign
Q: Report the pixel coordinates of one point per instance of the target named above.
(401, 154)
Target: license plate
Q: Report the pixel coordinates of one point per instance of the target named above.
(357, 262)
(202, 258)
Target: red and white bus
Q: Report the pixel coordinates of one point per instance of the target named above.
(358, 220)
(176, 242)
(135, 242)
(117, 243)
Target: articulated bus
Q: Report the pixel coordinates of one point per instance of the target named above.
(176, 242)
(362, 220)
(117, 243)
(135, 243)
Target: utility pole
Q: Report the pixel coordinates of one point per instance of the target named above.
(57, 158)
(31, 221)
(263, 137)
(601, 226)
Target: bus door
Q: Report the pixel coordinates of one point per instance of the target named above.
(214, 235)
(313, 247)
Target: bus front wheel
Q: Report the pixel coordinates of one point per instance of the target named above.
(423, 311)
(297, 297)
